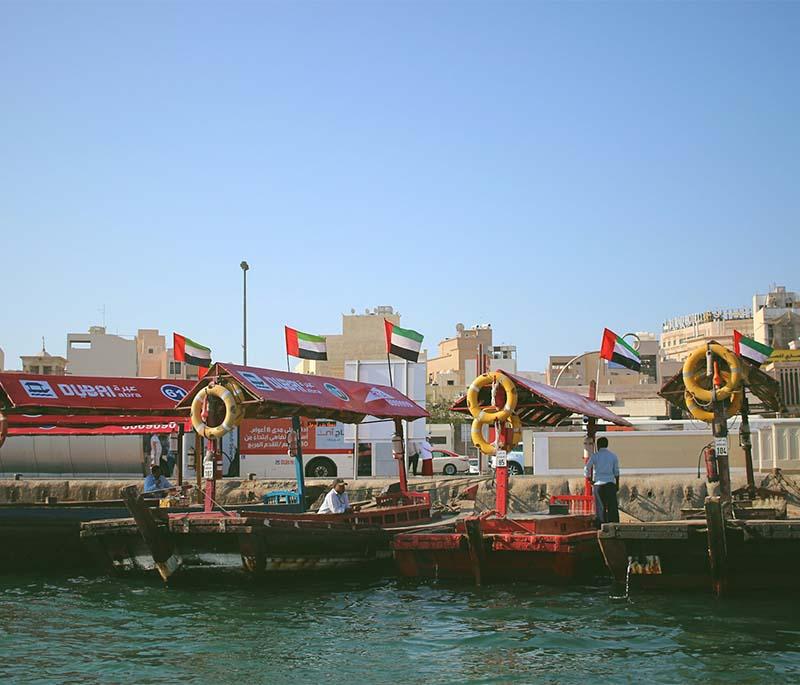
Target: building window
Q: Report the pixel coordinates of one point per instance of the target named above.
(149, 350)
(47, 370)
(451, 382)
(174, 368)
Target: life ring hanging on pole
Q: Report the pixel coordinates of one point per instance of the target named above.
(694, 368)
(491, 414)
(708, 416)
(231, 395)
(476, 433)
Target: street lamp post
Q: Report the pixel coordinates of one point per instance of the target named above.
(245, 267)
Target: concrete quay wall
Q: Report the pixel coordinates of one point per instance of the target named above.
(648, 498)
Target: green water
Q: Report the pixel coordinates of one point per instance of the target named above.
(111, 630)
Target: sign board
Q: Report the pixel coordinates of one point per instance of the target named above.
(721, 447)
(208, 469)
(271, 436)
(501, 458)
(783, 356)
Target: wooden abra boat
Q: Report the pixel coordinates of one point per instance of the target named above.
(254, 542)
(494, 546)
(538, 548)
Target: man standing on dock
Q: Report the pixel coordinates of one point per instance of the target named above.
(605, 482)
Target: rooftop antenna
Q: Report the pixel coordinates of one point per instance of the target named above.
(102, 310)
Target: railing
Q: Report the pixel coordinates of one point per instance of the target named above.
(578, 504)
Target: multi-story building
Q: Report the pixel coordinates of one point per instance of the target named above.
(681, 335)
(98, 353)
(363, 337)
(43, 363)
(776, 318)
(627, 392)
(146, 355)
(579, 370)
(459, 359)
(156, 360)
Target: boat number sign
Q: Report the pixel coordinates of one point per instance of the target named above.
(721, 447)
(501, 458)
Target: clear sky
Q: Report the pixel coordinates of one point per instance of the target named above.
(550, 168)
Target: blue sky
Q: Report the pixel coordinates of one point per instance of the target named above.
(551, 168)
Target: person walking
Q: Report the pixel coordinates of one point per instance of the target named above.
(603, 470)
(425, 451)
(413, 459)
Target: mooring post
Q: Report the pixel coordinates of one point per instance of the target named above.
(477, 549)
(747, 445)
(155, 537)
(717, 546)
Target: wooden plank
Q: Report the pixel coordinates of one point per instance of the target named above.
(156, 538)
(477, 549)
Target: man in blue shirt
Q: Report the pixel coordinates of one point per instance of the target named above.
(605, 465)
(155, 481)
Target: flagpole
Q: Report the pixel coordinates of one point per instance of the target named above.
(389, 364)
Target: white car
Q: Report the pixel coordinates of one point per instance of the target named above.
(516, 461)
(449, 463)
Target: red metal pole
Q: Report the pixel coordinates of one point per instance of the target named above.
(501, 473)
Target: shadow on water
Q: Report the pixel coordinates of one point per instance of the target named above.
(380, 629)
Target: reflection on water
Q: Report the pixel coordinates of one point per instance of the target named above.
(301, 630)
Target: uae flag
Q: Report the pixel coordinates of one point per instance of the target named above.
(750, 350)
(616, 350)
(402, 342)
(190, 352)
(305, 345)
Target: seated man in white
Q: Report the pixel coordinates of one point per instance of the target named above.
(336, 501)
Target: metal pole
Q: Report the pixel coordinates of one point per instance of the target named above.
(747, 444)
(575, 358)
(245, 267)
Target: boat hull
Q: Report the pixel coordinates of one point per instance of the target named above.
(544, 549)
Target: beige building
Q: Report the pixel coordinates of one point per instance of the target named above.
(43, 363)
(363, 337)
(681, 335)
(98, 353)
(146, 355)
(776, 318)
(580, 370)
(458, 361)
(625, 392)
(156, 360)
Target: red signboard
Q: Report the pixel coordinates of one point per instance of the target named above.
(270, 436)
(160, 428)
(26, 393)
(282, 394)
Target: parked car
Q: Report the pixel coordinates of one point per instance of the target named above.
(449, 463)
(516, 461)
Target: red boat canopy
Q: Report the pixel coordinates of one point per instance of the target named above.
(540, 404)
(275, 394)
(22, 393)
(153, 425)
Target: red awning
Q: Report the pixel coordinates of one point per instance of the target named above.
(540, 404)
(170, 425)
(22, 393)
(274, 394)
